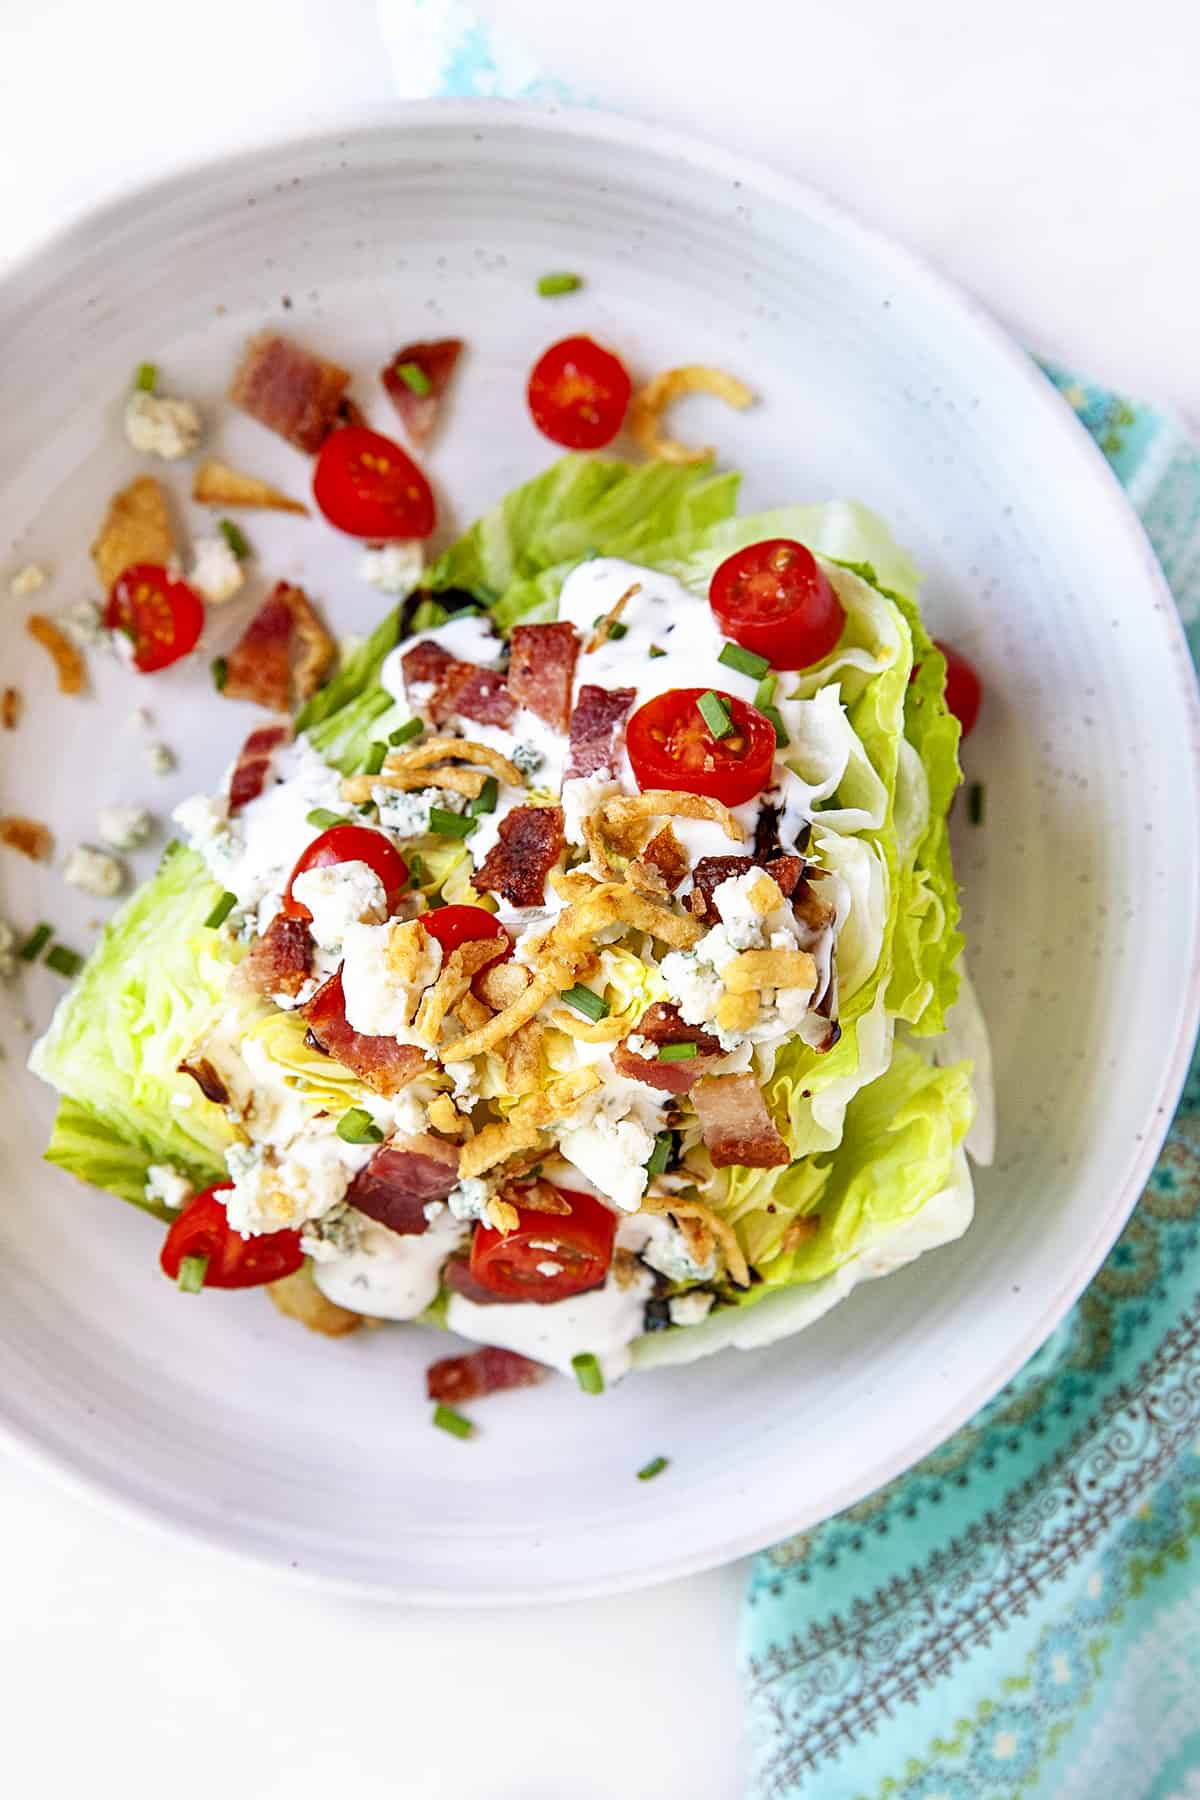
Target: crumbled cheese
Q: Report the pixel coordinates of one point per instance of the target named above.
(379, 1001)
(337, 1233)
(340, 895)
(689, 1309)
(469, 1200)
(408, 814)
(216, 572)
(125, 827)
(8, 951)
(165, 1184)
(274, 1192)
(95, 871)
(433, 1209)
(528, 758)
(27, 581)
(140, 719)
(160, 759)
(668, 1251)
(641, 1046)
(395, 568)
(580, 798)
(743, 923)
(613, 1155)
(692, 983)
(162, 427)
(83, 623)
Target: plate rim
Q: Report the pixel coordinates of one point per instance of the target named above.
(380, 125)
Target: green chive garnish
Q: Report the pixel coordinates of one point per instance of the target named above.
(592, 1006)
(746, 662)
(35, 943)
(358, 1127)
(976, 798)
(654, 1467)
(588, 1372)
(374, 758)
(404, 734)
(676, 1052)
(764, 693)
(323, 819)
(414, 378)
(485, 800)
(715, 713)
(63, 961)
(558, 283)
(220, 911)
(234, 538)
(613, 631)
(416, 870)
(660, 1156)
(446, 1419)
(776, 718)
(146, 378)
(192, 1270)
(449, 824)
(220, 673)
(655, 651)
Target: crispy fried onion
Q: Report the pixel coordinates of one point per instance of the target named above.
(452, 983)
(445, 1117)
(604, 626)
(435, 764)
(719, 1228)
(523, 1059)
(216, 484)
(468, 782)
(753, 970)
(651, 402)
(537, 1196)
(623, 815)
(524, 1125)
(68, 663)
(453, 749)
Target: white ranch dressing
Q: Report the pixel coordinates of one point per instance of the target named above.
(387, 1275)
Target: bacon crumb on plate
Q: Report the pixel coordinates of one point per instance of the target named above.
(27, 836)
(259, 668)
(254, 760)
(486, 1371)
(10, 709)
(289, 390)
(418, 399)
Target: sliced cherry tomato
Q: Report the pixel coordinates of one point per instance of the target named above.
(964, 690)
(579, 394)
(775, 598)
(202, 1229)
(162, 617)
(350, 843)
(369, 487)
(455, 925)
(579, 1242)
(671, 746)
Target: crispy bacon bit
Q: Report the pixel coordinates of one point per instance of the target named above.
(289, 390)
(401, 1180)
(381, 1062)
(426, 661)
(259, 667)
(737, 1128)
(315, 648)
(665, 853)
(487, 1371)
(280, 961)
(207, 1080)
(349, 412)
(419, 411)
(541, 670)
(460, 689)
(529, 845)
(254, 760)
(786, 873)
(10, 709)
(68, 663)
(711, 871)
(661, 1024)
(597, 730)
(27, 836)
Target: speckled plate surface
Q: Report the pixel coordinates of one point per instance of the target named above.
(218, 1418)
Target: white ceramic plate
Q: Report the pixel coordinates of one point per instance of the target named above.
(219, 1418)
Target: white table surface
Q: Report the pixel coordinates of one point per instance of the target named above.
(1044, 156)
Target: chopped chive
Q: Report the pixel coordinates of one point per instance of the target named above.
(192, 1270)
(404, 734)
(416, 870)
(976, 799)
(558, 283)
(660, 1156)
(614, 631)
(414, 378)
(374, 758)
(449, 824)
(746, 662)
(715, 713)
(326, 820)
(220, 911)
(485, 800)
(234, 538)
(35, 943)
(446, 1419)
(358, 1127)
(773, 714)
(764, 693)
(63, 961)
(655, 651)
(654, 1467)
(220, 673)
(592, 1006)
(676, 1052)
(588, 1372)
(146, 377)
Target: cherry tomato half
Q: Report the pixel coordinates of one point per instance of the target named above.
(162, 617)
(671, 746)
(350, 843)
(775, 598)
(369, 487)
(455, 925)
(579, 394)
(202, 1229)
(964, 690)
(580, 1242)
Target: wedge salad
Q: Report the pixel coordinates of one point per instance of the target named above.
(579, 968)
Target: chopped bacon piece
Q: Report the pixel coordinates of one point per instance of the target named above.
(402, 1178)
(280, 961)
(736, 1125)
(541, 670)
(254, 760)
(529, 845)
(28, 836)
(711, 871)
(487, 1371)
(381, 1062)
(419, 411)
(597, 729)
(786, 873)
(10, 708)
(289, 390)
(259, 667)
(426, 661)
(665, 853)
(661, 1024)
(460, 689)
